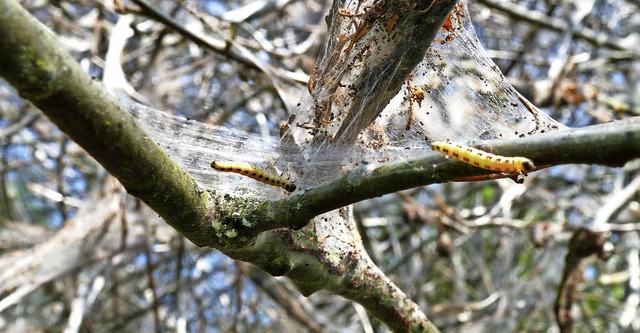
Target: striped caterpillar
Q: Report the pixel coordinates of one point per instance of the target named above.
(482, 159)
(254, 172)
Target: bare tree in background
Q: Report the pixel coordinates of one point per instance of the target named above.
(81, 255)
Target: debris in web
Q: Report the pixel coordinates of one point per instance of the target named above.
(375, 97)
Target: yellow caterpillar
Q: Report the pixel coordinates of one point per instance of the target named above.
(254, 172)
(482, 159)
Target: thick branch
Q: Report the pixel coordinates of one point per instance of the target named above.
(47, 76)
(51, 79)
(41, 71)
(416, 25)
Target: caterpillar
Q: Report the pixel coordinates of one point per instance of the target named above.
(254, 172)
(482, 159)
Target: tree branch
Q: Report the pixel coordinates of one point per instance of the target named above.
(41, 71)
(611, 144)
(35, 64)
(534, 17)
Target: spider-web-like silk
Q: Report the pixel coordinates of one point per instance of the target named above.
(456, 92)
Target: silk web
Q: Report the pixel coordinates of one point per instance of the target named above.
(456, 92)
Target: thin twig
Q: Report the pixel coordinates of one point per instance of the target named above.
(534, 17)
